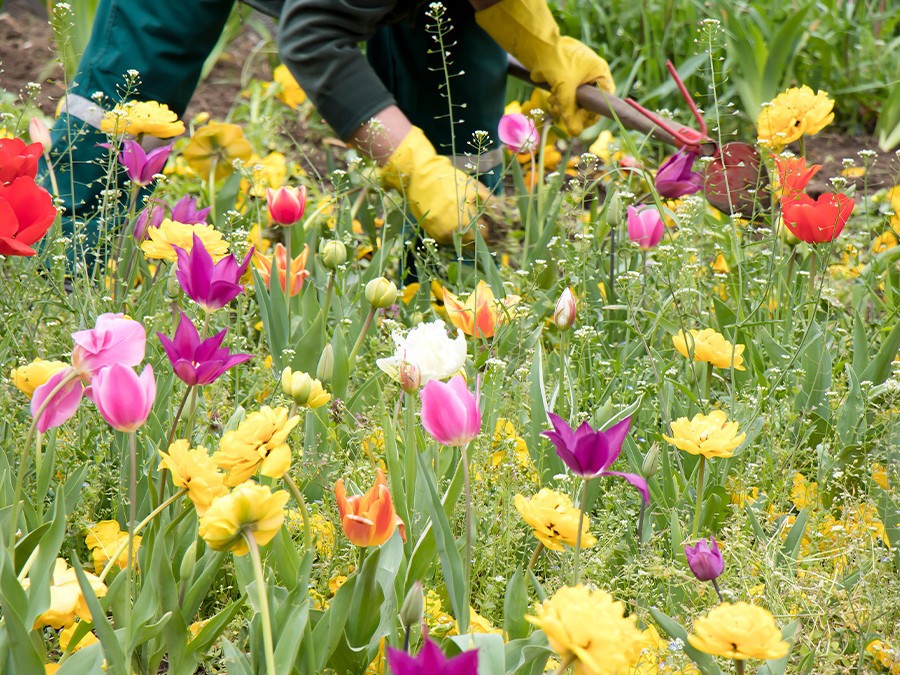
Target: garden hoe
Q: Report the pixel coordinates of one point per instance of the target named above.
(736, 180)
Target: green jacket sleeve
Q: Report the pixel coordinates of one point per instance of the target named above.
(319, 40)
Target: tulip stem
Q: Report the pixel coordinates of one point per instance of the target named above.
(212, 189)
(813, 263)
(132, 517)
(739, 666)
(289, 282)
(263, 602)
(362, 335)
(161, 485)
(640, 527)
(132, 203)
(698, 505)
(329, 291)
(564, 666)
(412, 466)
(534, 556)
(26, 456)
(718, 590)
(467, 566)
(581, 509)
(708, 384)
(304, 511)
(140, 526)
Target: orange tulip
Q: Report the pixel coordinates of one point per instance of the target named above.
(478, 316)
(369, 519)
(299, 273)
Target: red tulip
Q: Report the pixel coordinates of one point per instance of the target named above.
(286, 204)
(18, 159)
(794, 175)
(26, 213)
(817, 221)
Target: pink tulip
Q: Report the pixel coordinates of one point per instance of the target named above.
(286, 204)
(114, 339)
(39, 133)
(122, 397)
(566, 310)
(517, 132)
(450, 412)
(63, 404)
(645, 226)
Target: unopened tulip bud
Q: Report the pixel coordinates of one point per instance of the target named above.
(334, 254)
(305, 390)
(566, 310)
(412, 611)
(381, 293)
(651, 462)
(39, 133)
(705, 560)
(186, 570)
(410, 377)
(616, 208)
(325, 368)
(173, 288)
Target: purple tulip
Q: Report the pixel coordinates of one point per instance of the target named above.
(675, 179)
(142, 166)
(431, 661)
(645, 227)
(186, 211)
(211, 285)
(590, 453)
(149, 217)
(198, 362)
(705, 560)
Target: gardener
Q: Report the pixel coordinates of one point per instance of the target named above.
(394, 106)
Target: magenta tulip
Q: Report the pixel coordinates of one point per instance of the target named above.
(517, 132)
(431, 661)
(195, 361)
(211, 285)
(590, 453)
(450, 412)
(149, 217)
(142, 166)
(705, 559)
(675, 178)
(123, 397)
(645, 226)
(286, 204)
(186, 211)
(113, 339)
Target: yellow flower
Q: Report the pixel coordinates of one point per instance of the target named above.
(323, 533)
(304, 389)
(478, 624)
(30, 377)
(51, 668)
(104, 539)
(708, 435)
(195, 628)
(66, 598)
(336, 581)
(739, 631)
(655, 658)
(803, 492)
(172, 233)
(884, 241)
(880, 475)
(602, 147)
(195, 470)
(721, 265)
(217, 143)
(289, 92)
(709, 346)
(589, 625)
(884, 655)
(257, 240)
(505, 437)
(249, 508)
(438, 621)
(259, 442)
(554, 520)
(267, 172)
(792, 114)
(142, 117)
(65, 637)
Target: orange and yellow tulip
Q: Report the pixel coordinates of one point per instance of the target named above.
(299, 273)
(479, 315)
(369, 519)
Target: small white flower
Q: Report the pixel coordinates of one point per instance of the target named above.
(428, 347)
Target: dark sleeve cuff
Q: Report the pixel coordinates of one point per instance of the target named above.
(319, 43)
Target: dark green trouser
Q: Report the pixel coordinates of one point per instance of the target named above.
(167, 41)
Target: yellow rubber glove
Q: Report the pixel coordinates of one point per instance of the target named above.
(443, 198)
(526, 29)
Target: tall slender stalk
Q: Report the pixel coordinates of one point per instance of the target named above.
(581, 509)
(288, 281)
(362, 335)
(467, 563)
(304, 511)
(698, 505)
(263, 602)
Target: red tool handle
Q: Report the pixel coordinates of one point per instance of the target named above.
(598, 101)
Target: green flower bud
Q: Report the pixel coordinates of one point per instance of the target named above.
(651, 462)
(186, 570)
(325, 368)
(412, 610)
(381, 293)
(334, 253)
(305, 390)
